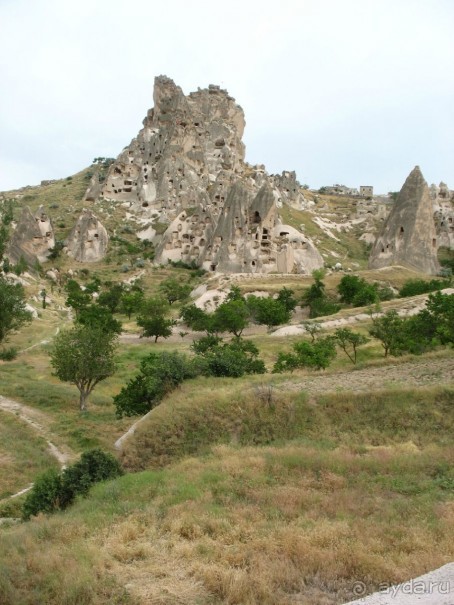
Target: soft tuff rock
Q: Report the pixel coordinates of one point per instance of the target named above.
(88, 240)
(408, 236)
(33, 237)
(186, 169)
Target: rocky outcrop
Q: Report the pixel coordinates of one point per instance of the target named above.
(408, 236)
(247, 237)
(186, 169)
(33, 237)
(443, 199)
(88, 240)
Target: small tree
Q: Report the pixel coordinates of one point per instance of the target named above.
(131, 302)
(160, 373)
(84, 356)
(348, 288)
(157, 326)
(77, 298)
(232, 316)
(173, 290)
(441, 310)
(111, 298)
(312, 328)
(316, 298)
(285, 296)
(153, 319)
(13, 313)
(317, 355)
(269, 311)
(233, 359)
(349, 342)
(94, 316)
(389, 329)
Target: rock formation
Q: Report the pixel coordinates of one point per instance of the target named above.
(88, 240)
(33, 237)
(443, 199)
(408, 236)
(186, 169)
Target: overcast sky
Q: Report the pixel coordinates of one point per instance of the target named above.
(342, 91)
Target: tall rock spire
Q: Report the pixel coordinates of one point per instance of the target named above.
(408, 236)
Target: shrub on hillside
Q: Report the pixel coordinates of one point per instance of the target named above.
(53, 490)
(233, 359)
(317, 355)
(160, 373)
(413, 287)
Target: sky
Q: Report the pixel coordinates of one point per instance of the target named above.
(342, 91)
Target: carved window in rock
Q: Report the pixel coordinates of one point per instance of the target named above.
(434, 242)
(256, 218)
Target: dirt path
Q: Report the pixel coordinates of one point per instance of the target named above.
(39, 422)
(417, 373)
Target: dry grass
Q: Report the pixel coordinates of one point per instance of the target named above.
(361, 492)
(23, 455)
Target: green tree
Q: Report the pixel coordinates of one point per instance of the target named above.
(77, 298)
(317, 355)
(389, 329)
(441, 310)
(153, 319)
(349, 342)
(160, 373)
(173, 290)
(286, 297)
(111, 298)
(312, 328)
(316, 298)
(94, 316)
(268, 311)
(348, 288)
(232, 316)
(157, 326)
(13, 313)
(84, 356)
(233, 359)
(131, 302)
(197, 319)
(413, 287)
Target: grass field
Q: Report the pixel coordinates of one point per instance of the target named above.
(23, 455)
(361, 493)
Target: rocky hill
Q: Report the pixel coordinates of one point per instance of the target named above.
(183, 184)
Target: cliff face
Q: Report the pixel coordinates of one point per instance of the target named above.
(88, 239)
(186, 169)
(33, 237)
(408, 236)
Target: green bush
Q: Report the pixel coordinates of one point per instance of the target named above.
(55, 491)
(44, 496)
(234, 359)
(94, 466)
(160, 373)
(8, 354)
(413, 287)
(317, 355)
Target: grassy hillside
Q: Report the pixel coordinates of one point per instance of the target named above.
(361, 493)
(267, 490)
